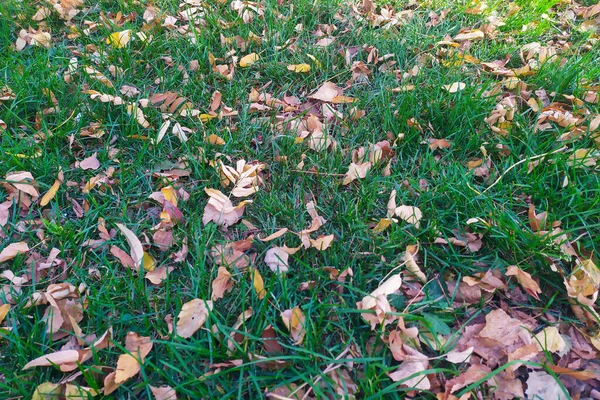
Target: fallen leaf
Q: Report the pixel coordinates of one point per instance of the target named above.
(327, 92)
(541, 385)
(135, 246)
(90, 162)
(525, 280)
(418, 363)
(119, 39)
(276, 258)
(221, 284)
(12, 250)
(550, 340)
(322, 242)
(258, 283)
(469, 35)
(158, 275)
(56, 358)
(129, 365)
(221, 210)
(299, 68)
(410, 214)
(295, 321)
(411, 263)
(457, 357)
(163, 393)
(472, 374)
(248, 60)
(47, 391)
(51, 193)
(192, 316)
(455, 87)
(356, 171)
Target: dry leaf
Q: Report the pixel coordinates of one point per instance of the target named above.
(356, 171)
(119, 39)
(90, 162)
(550, 340)
(411, 263)
(410, 214)
(258, 283)
(299, 68)
(192, 316)
(541, 385)
(135, 246)
(248, 60)
(221, 210)
(295, 321)
(276, 258)
(418, 362)
(322, 242)
(129, 365)
(327, 92)
(473, 374)
(56, 358)
(457, 357)
(12, 250)
(158, 275)
(525, 280)
(163, 393)
(455, 87)
(221, 284)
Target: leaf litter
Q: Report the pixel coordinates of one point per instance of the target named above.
(506, 350)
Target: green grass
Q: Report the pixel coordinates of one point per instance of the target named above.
(124, 300)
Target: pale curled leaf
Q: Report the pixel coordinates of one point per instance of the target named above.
(135, 246)
(12, 250)
(192, 316)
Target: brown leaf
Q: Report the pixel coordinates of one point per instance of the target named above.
(192, 316)
(501, 327)
(327, 92)
(322, 242)
(163, 393)
(123, 257)
(473, 374)
(356, 171)
(525, 280)
(270, 342)
(221, 284)
(12, 250)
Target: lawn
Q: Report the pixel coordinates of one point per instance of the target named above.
(299, 199)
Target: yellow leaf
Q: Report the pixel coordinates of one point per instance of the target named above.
(206, 117)
(4, 308)
(248, 60)
(317, 62)
(295, 321)
(216, 140)
(119, 39)
(50, 193)
(382, 225)
(46, 391)
(148, 262)
(300, 68)
(259, 284)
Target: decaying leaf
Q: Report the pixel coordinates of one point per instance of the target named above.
(525, 280)
(119, 39)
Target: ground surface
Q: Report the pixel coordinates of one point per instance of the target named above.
(427, 171)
